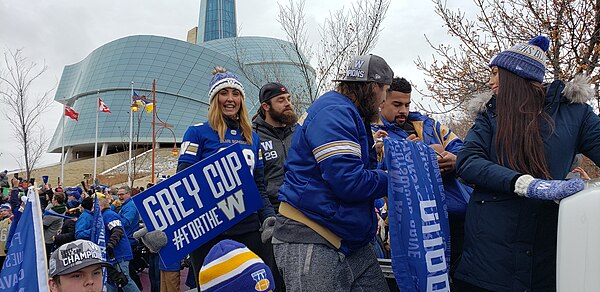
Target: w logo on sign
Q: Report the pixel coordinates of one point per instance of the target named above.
(358, 64)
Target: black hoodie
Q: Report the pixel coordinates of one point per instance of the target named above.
(275, 143)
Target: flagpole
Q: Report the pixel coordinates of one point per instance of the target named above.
(153, 124)
(62, 151)
(129, 170)
(96, 141)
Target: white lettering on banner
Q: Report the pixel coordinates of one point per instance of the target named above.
(193, 190)
(434, 246)
(13, 259)
(222, 175)
(171, 204)
(231, 204)
(196, 228)
(12, 280)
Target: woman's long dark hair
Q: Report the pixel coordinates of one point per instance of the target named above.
(520, 108)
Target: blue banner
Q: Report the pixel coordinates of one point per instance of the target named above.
(98, 233)
(418, 217)
(25, 266)
(200, 202)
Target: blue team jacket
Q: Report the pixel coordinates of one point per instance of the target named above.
(328, 179)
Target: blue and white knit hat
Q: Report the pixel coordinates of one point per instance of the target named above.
(223, 79)
(231, 266)
(526, 60)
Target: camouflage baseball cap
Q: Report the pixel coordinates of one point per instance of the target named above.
(74, 256)
(368, 68)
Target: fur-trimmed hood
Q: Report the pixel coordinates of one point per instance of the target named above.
(577, 90)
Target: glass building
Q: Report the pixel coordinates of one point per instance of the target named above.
(217, 20)
(182, 74)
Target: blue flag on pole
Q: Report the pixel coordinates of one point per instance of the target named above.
(98, 234)
(418, 217)
(25, 265)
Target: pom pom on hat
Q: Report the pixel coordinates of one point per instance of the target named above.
(540, 41)
(525, 60)
(231, 266)
(223, 79)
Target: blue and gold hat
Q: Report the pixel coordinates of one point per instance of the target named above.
(231, 266)
(223, 79)
(525, 60)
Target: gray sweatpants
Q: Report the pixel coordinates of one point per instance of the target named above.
(317, 267)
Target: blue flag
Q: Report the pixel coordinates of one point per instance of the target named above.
(25, 265)
(98, 234)
(418, 217)
(200, 202)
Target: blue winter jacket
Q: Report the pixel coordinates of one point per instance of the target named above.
(131, 220)
(510, 241)
(83, 226)
(328, 178)
(122, 251)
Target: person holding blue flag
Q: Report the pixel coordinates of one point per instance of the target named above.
(76, 266)
(399, 122)
(525, 137)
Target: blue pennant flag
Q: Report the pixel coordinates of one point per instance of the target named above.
(98, 234)
(418, 217)
(25, 266)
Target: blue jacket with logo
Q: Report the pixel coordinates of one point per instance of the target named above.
(131, 220)
(328, 179)
(112, 222)
(510, 241)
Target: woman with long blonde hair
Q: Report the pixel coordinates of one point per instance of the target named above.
(228, 123)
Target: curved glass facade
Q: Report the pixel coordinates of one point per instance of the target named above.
(182, 74)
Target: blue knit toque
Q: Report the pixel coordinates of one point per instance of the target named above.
(525, 60)
(231, 266)
(223, 79)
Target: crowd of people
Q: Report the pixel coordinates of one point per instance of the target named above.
(323, 185)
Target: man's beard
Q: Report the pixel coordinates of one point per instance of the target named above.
(287, 117)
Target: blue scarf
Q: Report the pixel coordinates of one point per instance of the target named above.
(418, 217)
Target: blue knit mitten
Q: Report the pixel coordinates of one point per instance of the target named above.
(541, 189)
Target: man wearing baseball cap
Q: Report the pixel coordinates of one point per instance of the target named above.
(274, 122)
(76, 266)
(326, 217)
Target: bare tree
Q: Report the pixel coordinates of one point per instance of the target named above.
(456, 73)
(23, 108)
(292, 21)
(344, 34)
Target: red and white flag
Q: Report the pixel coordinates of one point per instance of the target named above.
(71, 113)
(102, 106)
